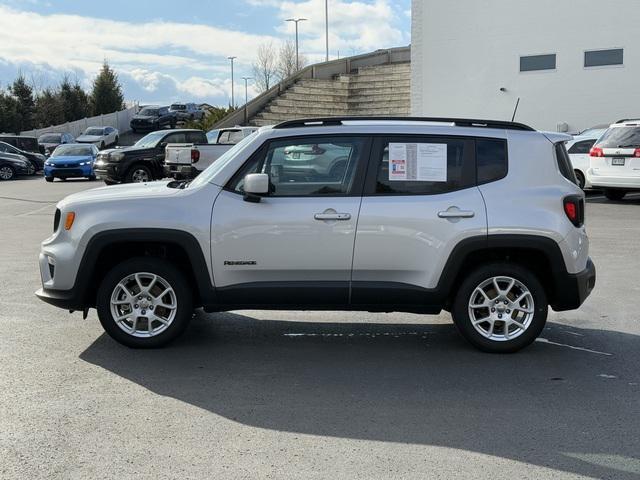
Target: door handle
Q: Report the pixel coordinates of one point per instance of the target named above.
(456, 214)
(332, 216)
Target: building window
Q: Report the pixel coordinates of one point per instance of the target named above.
(601, 58)
(533, 63)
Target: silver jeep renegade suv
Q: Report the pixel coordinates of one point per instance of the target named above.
(480, 218)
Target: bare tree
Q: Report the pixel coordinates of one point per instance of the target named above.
(265, 66)
(287, 60)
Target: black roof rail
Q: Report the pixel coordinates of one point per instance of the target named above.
(628, 120)
(458, 122)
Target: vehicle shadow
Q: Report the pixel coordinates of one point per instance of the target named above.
(550, 405)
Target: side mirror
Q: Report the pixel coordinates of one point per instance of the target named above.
(255, 184)
(163, 144)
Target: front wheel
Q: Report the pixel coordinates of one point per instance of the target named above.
(500, 308)
(138, 174)
(615, 195)
(48, 179)
(144, 302)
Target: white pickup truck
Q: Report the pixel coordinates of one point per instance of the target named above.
(187, 160)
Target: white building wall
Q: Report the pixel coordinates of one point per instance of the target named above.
(464, 51)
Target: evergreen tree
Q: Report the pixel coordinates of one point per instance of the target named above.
(25, 104)
(106, 96)
(8, 113)
(75, 102)
(49, 109)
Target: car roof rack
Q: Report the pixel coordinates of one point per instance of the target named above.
(458, 122)
(624, 120)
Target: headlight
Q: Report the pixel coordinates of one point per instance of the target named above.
(48, 164)
(116, 156)
(82, 164)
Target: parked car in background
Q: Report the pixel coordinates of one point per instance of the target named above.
(615, 160)
(153, 118)
(74, 160)
(187, 160)
(36, 159)
(593, 130)
(143, 161)
(50, 141)
(578, 150)
(13, 165)
(24, 143)
(101, 137)
(186, 111)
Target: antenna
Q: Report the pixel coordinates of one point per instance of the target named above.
(515, 110)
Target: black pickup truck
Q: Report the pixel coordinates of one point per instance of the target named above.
(153, 118)
(143, 161)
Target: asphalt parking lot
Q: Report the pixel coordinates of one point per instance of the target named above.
(257, 394)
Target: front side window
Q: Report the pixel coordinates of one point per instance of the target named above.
(307, 167)
(532, 63)
(601, 58)
(423, 166)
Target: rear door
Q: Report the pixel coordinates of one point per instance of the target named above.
(294, 247)
(420, 200)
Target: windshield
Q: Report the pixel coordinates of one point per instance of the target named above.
(621, 137)
(207, 175)
(177, 106)
(151, 140)
(49, 138)
(94, 131)
(148, 111)
(72, 151)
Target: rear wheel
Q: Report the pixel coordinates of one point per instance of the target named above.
(580, 178)
(500, 308)
(7, 172)
(144, 302)
(615, 194)
(138, 174)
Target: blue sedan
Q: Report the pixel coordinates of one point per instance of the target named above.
(71, 160)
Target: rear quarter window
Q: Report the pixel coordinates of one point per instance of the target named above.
(491, 159)
(564, 162)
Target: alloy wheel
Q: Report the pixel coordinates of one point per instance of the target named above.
(6, 173)
(140, 176)
(143, 304)
(501, 308)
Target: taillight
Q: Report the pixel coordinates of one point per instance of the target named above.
(597, 152)
(195, 155)
(637, 153)
(574, 209)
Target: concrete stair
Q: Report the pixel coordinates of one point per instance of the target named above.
(382, 90)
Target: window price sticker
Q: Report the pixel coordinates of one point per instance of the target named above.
(419, 162)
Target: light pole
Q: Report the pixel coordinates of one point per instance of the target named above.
(296, 20)
(246, 118)
(326, 26)
(233, 102)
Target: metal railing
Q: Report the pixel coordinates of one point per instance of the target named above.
(321, 71)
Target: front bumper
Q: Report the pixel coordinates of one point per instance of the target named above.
(144, 125)
(108, 170)
(573, 289)
(68, 172)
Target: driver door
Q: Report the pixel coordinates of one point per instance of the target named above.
(295, 246)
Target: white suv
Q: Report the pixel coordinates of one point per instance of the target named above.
(479, 218)
(615, 160)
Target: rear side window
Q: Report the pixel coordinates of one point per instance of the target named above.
(423, 166)
(491, 159)
(564, 163)
(196, 137)
(581, 148)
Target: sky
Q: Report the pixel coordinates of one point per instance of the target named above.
(169, 50)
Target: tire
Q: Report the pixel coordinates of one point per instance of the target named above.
(109, 182)
(91, 178)
(35, 168)
(580, 178)
(134, 130)
(7, 172)
(138, 174)
(115, 142)
(615, 195)
(493, 339)
(141, 330)
(48, 179)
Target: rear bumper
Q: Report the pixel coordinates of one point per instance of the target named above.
(180, 172)
(573, 289)
(613, 181)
